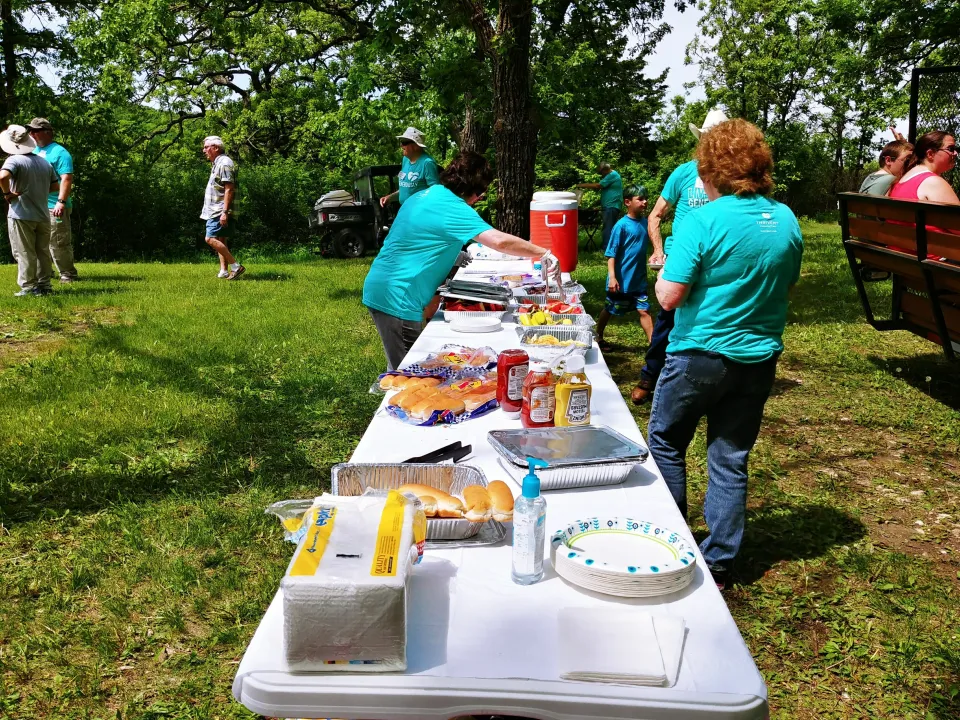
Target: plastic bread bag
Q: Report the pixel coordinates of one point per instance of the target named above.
(472, 396)
(293, 516)
(455, 361)
(345, 590)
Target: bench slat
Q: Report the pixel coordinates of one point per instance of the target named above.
(870, 206)
(902, 236)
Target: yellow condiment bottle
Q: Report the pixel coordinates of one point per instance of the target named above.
(573, 394)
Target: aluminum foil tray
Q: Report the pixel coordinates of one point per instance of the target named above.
(578, 456)
(580, 322)
(574, 477)
(552, 352)
(354, 478)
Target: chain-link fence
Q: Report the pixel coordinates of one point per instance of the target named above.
(935, 105)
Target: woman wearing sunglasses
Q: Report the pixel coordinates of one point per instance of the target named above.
(933, 154)
(418, 171)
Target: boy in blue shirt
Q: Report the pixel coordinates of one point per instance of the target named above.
(627, 265)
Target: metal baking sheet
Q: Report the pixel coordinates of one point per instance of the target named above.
(566, 446)
(354, 478)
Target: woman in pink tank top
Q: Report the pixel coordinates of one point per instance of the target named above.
(934, 154)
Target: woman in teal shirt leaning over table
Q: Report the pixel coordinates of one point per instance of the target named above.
(431, 229)
(728, 274)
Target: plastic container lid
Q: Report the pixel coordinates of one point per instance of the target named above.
(551, 196)
(573, 363)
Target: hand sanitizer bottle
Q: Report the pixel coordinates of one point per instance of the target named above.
(529, 518)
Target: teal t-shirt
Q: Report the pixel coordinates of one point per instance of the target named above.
(611, 190)
(421, 247)
(57, 155)
(628, 244)
(740, 255)
(684, 192)
(417, 176)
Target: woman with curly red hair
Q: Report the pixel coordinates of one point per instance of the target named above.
(728, 274)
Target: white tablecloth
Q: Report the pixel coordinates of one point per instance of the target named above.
(477, 642)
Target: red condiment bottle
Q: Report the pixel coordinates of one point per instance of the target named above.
(539, 400)
(512, 368)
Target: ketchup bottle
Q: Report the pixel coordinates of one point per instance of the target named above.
(539, 401)
(512, 367)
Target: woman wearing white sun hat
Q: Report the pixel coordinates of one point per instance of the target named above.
(26, 180)
(418, 171)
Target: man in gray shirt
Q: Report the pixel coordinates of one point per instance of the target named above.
(26, 180)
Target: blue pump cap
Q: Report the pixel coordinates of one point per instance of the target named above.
(531, 483)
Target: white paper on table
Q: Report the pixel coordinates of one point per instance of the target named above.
(619, 646)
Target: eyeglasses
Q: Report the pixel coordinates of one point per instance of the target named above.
(950, 149)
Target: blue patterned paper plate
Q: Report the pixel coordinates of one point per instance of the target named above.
(623, 547)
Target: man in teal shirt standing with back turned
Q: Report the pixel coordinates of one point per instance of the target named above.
(611, 198)
(59, 203)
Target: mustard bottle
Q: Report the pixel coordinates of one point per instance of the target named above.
(573, 394)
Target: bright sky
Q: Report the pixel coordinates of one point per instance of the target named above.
(672, 49)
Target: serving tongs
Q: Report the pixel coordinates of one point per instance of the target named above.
(454, 451)
(546, 286)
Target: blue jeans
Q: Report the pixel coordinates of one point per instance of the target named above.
(732, 396)
(657, 352)
(610, 217)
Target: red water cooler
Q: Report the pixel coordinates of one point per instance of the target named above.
(554, 224)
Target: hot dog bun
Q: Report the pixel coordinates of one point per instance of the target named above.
(501, 500)
(477, 502)
(447, 505)
(434, 402)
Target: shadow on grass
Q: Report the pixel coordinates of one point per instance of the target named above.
(779, 532)
(932, 374)
(263, 438)
(354, 294)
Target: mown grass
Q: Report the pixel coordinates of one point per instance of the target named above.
(152, 412)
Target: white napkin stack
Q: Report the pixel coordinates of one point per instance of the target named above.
(624, 646)
(343, 616)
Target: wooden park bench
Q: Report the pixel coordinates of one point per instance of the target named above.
(907, 242)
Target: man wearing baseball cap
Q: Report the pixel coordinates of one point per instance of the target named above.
(26, 179)
(683, 192)
(59, 203)
(418, 172)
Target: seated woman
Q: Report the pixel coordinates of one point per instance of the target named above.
(892, 159)
(422, 247)
(934, 154)
(728, 275)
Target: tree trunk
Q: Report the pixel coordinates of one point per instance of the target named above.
(10, 74)
(472, 135)
(513, 136)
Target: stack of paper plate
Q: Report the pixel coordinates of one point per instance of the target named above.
(475, 324)
(622, 556)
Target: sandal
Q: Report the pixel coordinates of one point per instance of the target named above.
(642, 392)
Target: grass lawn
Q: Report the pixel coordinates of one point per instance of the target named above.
(151, 412)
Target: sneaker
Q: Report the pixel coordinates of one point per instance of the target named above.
(44, 290)
(237, 273)
(66, 279)
(721, 576)
(28, 293)
(223, 274)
